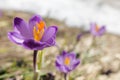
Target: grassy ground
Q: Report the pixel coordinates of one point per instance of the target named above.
(98, 62)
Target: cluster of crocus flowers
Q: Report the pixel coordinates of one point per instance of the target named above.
(67, 62)
(34, 35)
(95, 30)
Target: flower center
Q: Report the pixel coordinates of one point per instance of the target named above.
(97, 28)
(38, 31)
(67, 61)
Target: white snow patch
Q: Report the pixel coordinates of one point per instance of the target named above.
(73, 12)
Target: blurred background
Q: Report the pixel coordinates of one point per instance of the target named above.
(72, 18)
(72, 12)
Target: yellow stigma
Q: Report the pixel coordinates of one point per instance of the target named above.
(67, 61)
(38, 31)
(97, 28)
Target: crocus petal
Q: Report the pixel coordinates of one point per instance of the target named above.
(72, 55)
(62, 68)
(51, 42)
(75, 63)
(64, 53)
(92, 28)
(60, 60)
(50, 32)
(33, 21)
(15, 37)
(34, 45)
(22, 27)
(101, 31)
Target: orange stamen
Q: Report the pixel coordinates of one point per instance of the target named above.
(41, 25)
(97, 28)
(67, 61)
(38, 31)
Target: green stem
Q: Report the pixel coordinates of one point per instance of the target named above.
(94, 41)
(40, 55)
(39, 63)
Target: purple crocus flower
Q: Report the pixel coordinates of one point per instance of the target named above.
(95, 30)
(67, 62)
(33, 35)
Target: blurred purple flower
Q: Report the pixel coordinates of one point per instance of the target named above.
(95, 30)
(79, 36)
(67, 62)
(34, 35)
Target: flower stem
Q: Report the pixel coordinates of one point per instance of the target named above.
(65, 76)
(94, 41)
(39, 63)
(34, 63)
(40, 58)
